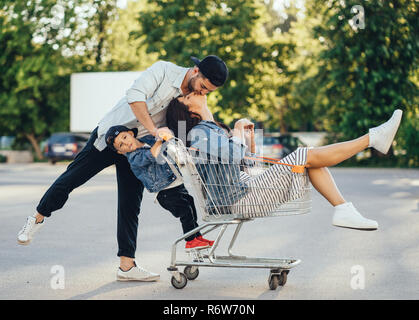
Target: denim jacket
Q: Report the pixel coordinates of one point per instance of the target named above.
(218, 163)
(154, 173)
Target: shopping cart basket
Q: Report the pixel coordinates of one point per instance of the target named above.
(230, 193)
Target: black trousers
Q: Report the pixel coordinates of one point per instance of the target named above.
(86, 165)
(181, 205)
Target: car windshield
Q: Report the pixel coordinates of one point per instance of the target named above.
(270, 140)
(61, 139)
(293, 142)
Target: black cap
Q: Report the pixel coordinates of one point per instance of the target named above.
(213, 68)
(113, 133)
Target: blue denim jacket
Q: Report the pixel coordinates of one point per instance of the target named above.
(154, 174)
(209, 138)
(219, 164)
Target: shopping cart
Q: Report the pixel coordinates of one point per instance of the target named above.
(227, 193)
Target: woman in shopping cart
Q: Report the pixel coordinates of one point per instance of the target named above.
(204, 134)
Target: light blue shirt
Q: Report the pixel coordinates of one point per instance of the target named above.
(156, 86)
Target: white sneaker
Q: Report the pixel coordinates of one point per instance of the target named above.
(29, 229)
(382, 136)
(348, 217)
(136, 273)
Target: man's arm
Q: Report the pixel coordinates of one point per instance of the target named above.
(143, 88)
(140, 110)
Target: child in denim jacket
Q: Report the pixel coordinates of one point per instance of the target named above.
(158, 177)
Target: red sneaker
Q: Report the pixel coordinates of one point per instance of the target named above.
(196, 244)
(210, 242)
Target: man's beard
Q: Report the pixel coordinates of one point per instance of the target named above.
(190, 85)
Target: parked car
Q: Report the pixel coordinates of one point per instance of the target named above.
(6, 142)
(64, 146)
(279, 147)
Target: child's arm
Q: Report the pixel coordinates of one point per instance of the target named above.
(143, 157)
(155, 149)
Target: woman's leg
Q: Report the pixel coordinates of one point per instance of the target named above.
(333, 154)
(379, 138)
(323, 182)
(345, 214)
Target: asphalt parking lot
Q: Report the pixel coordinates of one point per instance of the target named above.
(80, 242)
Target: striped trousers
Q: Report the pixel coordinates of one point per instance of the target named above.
(274, 187)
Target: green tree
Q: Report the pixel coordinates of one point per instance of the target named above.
(233, 30)
(34, 86)
(101, 37)
(41, 43)
(280, 18)
(303, 112)
(86, 40)
(288, 25)
(365, 71)
(125, 51)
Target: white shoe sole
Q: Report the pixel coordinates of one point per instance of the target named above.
(356, 228)
(149, 279)
(23, 243)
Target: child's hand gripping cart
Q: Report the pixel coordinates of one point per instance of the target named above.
(228, 193)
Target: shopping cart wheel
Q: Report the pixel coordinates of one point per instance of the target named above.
(179, 284)
(190, 273)
(277, 278)
(273, 282)
(283, 278)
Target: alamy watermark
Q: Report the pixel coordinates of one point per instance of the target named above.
(58, 278)
(358, 20)
(358, 278)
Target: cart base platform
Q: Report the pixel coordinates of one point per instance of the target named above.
(241, 262)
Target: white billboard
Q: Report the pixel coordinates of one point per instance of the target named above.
(93, 94)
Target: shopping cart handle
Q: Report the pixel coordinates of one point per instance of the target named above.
(165, 136)
(297, 169)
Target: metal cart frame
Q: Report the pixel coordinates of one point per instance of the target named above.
(178, 154)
